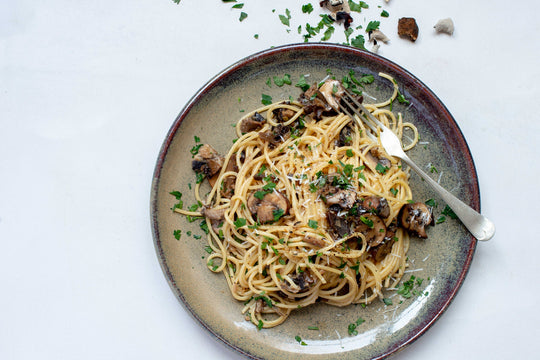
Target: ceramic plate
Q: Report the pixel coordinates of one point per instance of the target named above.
(441, 261)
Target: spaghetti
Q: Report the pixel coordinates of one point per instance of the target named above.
(304, 209)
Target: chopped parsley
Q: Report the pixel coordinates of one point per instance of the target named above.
(313, 224)
(402, 99)
(277, 214)
(431, 202)
(266, 99)
(195, 149)
(280, 81)
(359, 42)
(381, 169)
(373, 25)
(299, 340)
(328, 33)
(266, 189)
(367, 221)
(387, 301)
(243, 16)
(449, 212)
(178, 196)
(302, 83)
(211, 265)
(177, 234)
(407, 289)
(204, 227)
(307, 9)
(285, 19)
(352, 326)
(238, 223)
(358, 7)
(265, 299)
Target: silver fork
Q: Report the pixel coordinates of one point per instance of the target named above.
(479, 226)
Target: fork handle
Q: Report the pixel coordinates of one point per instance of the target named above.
(479, 226)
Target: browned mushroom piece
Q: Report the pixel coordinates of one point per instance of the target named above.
(377, 205)
(227, 187)
(415, 217)
(315, 241)
(275, 135)
(379, 252)
(229, 183)
(372, 227)
(376, 161)
(252, 123)
(283, 114)
(340, 9)
(270, 208)
(345, 136)
(343, 198)
(338, 225)
(207, 161)
(407, 28)
(302, 281)
(332, 91)
(313, 104)
(216, 217)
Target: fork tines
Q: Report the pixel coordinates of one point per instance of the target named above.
(351, 106)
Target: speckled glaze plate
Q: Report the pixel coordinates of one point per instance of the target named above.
(442, 261)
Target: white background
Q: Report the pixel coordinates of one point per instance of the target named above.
(88, 90)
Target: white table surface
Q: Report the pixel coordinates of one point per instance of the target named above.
(88, 90)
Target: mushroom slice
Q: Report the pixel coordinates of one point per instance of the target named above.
(343, 198)
(216, 217)
(415, 217)
(345, 136)
(270, 208)
(340, 9)
(379, 252)
(252, 123)
(378, 35)
(377, 205)
(312, 103)
(375, 160)
(332, 90)
(373, 228)
(207, 161)
(338, 225)
(283, 114)
(315, 241)
(229, 183)
(301, 281)
(276, 135)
